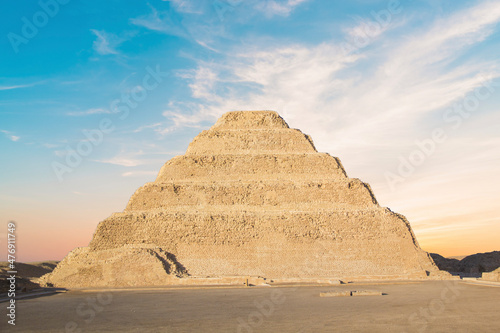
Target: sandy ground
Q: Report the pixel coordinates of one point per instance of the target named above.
(437, 306)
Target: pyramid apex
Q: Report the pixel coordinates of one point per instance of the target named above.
(250, 120)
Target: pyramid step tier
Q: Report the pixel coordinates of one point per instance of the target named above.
(167, 229)
(219, 141)
(260, 166)
(270, 193)
(251, 120)
(272, 244)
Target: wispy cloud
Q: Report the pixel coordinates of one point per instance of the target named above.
(17, 86)
(293, 76)
(123, 161)
(163, 22)
(50, 145)
(446, 37)
(208, 47)
(106, 43)
(139, 173)
(186, 6)
(209, 22)
(89, 112)
(182, 115)
(406, 82)
(272, 8)
(366, 31)
(127, 158)
(144, 127)
(10, 135)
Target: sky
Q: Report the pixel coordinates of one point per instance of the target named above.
(95, 96)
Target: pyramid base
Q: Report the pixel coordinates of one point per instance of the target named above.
(146, 266)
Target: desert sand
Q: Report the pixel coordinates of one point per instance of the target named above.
(428, 306)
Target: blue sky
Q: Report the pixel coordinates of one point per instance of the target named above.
(370, 81)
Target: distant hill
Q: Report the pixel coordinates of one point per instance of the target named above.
(30, 269)
(474, 264)
(445, 264)
(456, 257)
(27, 273)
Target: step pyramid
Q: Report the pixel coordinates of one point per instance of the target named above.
(251, 197)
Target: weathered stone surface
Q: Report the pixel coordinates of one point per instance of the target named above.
(120, 266)
(336, 294)
(251, 197)
(492, 276)
(252, 167)
(366, 293)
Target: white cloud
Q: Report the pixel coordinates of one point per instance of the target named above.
(186, 6)
(89, 112)
(278, 7)
(205, 45)
(123, 161)
(10, 136)
(139, 173)
(204, 79)
(366, 31)
(292, 76)
(210, 22)
(106, 43)
(129, 158)
(60, 153)
(446, 37)
(358, 105)
(16, 86)
(177, 115)
(160, 22)
(142, 128)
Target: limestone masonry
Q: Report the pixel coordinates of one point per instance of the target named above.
(492, 276)
(250, 198)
